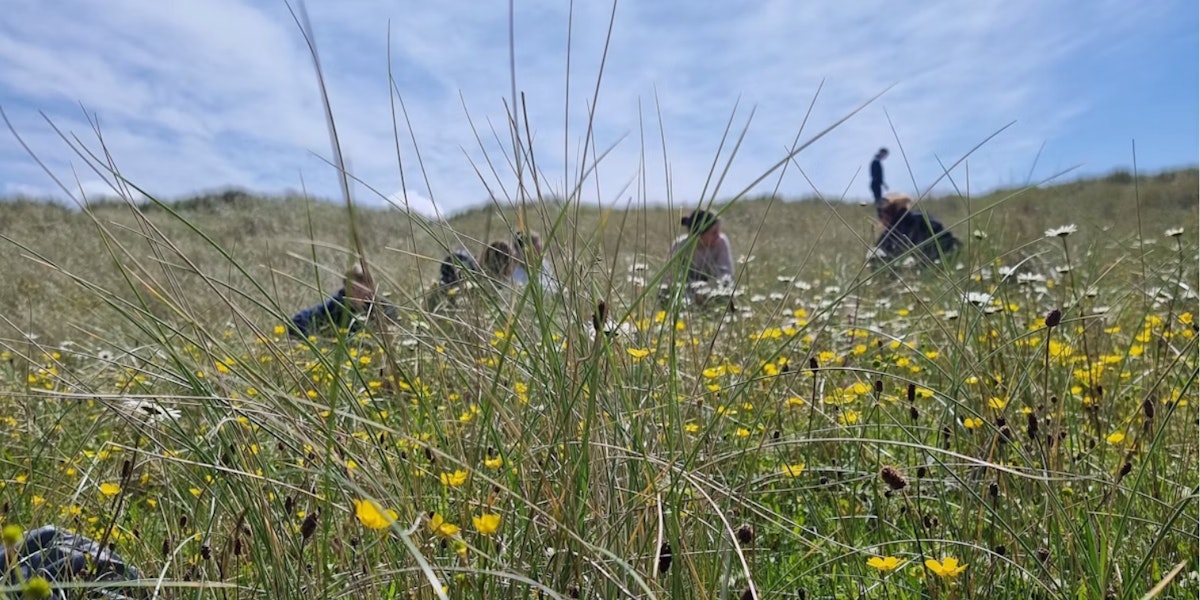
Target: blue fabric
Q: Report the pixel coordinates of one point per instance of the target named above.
(61, 556)
(334, 313)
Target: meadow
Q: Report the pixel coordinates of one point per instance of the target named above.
(1020, 422)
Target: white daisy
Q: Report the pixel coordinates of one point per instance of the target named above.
(802, 285)
(638, 267)
(148, 410)
(979, 298)
(104, 355)
(950, 315)
(1175, 232)
(979, 234)
(776, 296)
(1063, 270)
(784, 278)
(409, 342)
(1063, 231)
(757, 298)
(1030, 278)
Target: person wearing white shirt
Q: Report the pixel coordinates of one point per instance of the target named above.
(707, 253)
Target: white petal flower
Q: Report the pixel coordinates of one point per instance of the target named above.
(1030, 278)
(802, 285)
(979, 234)
(1063, 231)
(148, 410)
(979, 298)
(776, 296)
(950, 315)
(1175, 232)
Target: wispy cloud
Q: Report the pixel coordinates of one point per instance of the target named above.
(204, 94)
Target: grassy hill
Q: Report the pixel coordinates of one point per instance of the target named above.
(1021, 423)
(211, 253)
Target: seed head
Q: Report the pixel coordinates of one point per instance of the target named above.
(309, 526)
(745, 534)
(1053, 318)
(1032, 426)
(893, 478)
(664, 557)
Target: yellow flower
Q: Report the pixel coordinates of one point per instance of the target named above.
(638, 353)
(454, 479)
(372, 516)
(440, 527)
(949, 567)
(793, 470)
(997, 403)
(494, 462)
(742, 432)
(691, 428)
(110, 489)
(280, 330)
(486, 524)
(37, 588)
(1115, 438)
(884, 563)
(849, 417)
(795, 401)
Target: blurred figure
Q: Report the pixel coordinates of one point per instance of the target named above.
(530, 257)
(905, 229)
(499, 261)
(453, 279)
(348, 308)
(707, 253)
(877, 184)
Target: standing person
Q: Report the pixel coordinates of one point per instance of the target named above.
(352, 303)
(707, 253)
(877, 184)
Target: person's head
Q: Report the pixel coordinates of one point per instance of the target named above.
(896, 204)
(498, 260)
(455, 266)
(360, 287)
(704, 225)
(528, 245)
(882, 154)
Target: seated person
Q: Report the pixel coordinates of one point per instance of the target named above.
(706, 252)
(499, 261)
(528, 252)
(348, 307)
(453, 279)
(904, 229)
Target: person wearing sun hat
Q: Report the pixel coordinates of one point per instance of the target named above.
(904, 229)
(706, 251)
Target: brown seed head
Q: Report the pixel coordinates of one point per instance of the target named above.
(893, 478)
(1054, 318)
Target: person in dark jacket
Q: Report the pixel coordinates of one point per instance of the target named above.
(905, 229)
(877, 184)
(455, 270)
(347, 308)
(60, 557)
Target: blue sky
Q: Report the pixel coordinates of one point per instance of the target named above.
(195, 95)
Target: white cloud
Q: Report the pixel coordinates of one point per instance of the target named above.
(211, 93)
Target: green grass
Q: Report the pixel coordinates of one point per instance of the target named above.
(752, 445)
